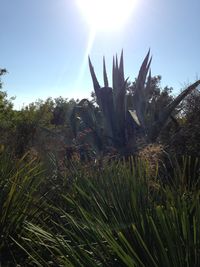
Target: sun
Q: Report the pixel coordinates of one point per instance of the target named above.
(106, 15)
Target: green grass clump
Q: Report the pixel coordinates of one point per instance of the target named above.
(120, 215)
(20, 182)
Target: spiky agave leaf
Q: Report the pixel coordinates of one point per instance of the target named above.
(134, 116)
(118, 74)
(141, 79)
(119, 96)
(148, 89)
(121, 67)
(114, 82)
(115, 75)
(95, 81)
(166, 112)
(106, 101)
(107, 107)
(139, 99)
(105, 77)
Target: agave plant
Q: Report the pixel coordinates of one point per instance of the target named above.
(122, 126)
(112, 101)
(108, 126)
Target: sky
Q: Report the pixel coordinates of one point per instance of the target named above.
(44, 45)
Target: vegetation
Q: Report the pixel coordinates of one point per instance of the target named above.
(20, 200)
(125, 119)
(112, 181)
(186, 137)
(120, 216)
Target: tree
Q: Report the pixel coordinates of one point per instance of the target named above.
(6, 106)
(2, 72)
(61, 111)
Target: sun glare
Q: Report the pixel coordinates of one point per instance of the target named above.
(106, 15)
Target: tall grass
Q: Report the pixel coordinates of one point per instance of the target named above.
(20, 182)
(122, 216)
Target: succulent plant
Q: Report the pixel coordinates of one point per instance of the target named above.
(143, 106)
(121, 126)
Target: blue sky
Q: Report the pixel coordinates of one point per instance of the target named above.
(44, 46)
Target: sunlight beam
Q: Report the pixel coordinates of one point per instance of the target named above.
(85, 57)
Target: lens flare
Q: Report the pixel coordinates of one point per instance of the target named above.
(106, 15)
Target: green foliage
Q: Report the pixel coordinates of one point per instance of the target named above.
(159, 97)
(86, 123)
(62, 110)
(102, 213)
(20, 181)
(139, 115)
(186, 138)
(118, 215)
(112, 103)
(21, 129)
(2, 72)
(6, 107)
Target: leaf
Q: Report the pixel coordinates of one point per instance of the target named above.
(105, 74)
(165, 114)
(95, 81)
(134, 116)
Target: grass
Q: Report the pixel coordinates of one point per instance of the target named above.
(121, 216)
(20, 182)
